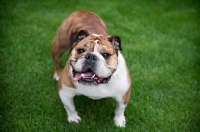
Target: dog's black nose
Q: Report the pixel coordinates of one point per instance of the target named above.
(91, 58)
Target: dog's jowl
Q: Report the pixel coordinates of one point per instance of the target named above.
(95, 67)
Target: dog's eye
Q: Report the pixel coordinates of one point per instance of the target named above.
(106, 55)
(80, 51)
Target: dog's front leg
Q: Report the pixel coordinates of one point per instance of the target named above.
(119, 117)
(67, 100)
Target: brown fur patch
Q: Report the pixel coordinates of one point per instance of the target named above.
(65, 77)
(127, 95)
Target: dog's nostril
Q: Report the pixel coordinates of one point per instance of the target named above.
(94, 57)
(87, 57)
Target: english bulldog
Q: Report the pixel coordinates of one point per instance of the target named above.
(95, 67)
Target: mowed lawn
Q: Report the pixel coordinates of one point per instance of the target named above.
(160, 42)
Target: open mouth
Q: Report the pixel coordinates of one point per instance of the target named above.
(89, 78)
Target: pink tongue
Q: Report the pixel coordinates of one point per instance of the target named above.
(78, 76)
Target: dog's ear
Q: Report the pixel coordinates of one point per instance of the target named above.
(116, 42)
(81, 35)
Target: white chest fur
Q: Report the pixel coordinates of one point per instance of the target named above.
(115, 87)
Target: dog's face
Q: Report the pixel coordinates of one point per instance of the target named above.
(94, 58)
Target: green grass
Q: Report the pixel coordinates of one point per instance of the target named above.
(160, 42)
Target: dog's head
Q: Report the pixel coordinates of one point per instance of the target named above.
(94, 58)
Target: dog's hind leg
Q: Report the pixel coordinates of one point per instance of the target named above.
(56, 53)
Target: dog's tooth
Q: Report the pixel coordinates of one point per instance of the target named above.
(93, 76)
(82, 75)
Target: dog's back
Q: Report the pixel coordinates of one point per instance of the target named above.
(79, 20)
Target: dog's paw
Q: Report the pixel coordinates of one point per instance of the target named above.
(74, 118)
(56, 76)
(120, 121)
